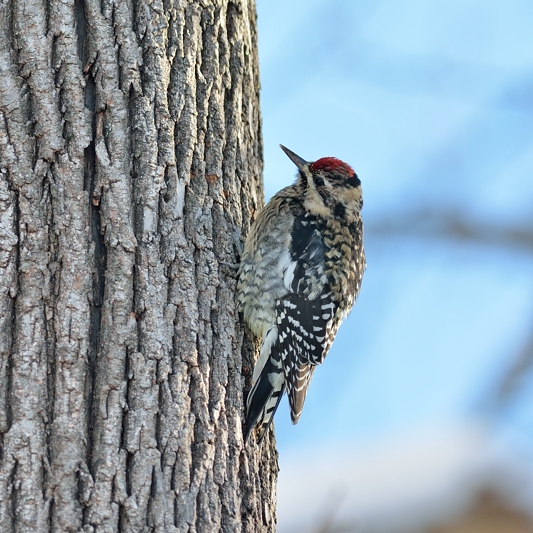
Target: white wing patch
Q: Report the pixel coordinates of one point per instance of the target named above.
(287, 267)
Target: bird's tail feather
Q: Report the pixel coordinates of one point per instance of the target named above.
(263, 399)
(300, 377)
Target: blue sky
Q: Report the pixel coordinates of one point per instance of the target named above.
(432, 103)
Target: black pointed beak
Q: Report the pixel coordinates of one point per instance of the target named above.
(296, 159)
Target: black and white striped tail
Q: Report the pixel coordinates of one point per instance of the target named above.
(263, 399)
(300, 376)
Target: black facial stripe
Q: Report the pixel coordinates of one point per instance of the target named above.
(323, 194)
(339, 211)
(353, 182)
(343, 181)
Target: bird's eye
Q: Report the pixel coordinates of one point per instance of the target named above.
(319, 182)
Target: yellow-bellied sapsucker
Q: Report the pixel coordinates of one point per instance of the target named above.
(299, 276)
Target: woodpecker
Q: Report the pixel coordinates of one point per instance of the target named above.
(299, 277)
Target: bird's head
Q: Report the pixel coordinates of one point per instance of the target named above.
(330, 186)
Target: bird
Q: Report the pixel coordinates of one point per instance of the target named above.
(299, 276)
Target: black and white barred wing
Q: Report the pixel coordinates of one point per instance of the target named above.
(305, 316)
(304, 340)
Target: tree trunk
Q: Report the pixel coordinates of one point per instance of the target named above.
(130, 158)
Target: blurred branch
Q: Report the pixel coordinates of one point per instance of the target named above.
(513, 380)
(454, 226)
(328, 522)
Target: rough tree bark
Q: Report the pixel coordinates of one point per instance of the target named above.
(130, 155)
